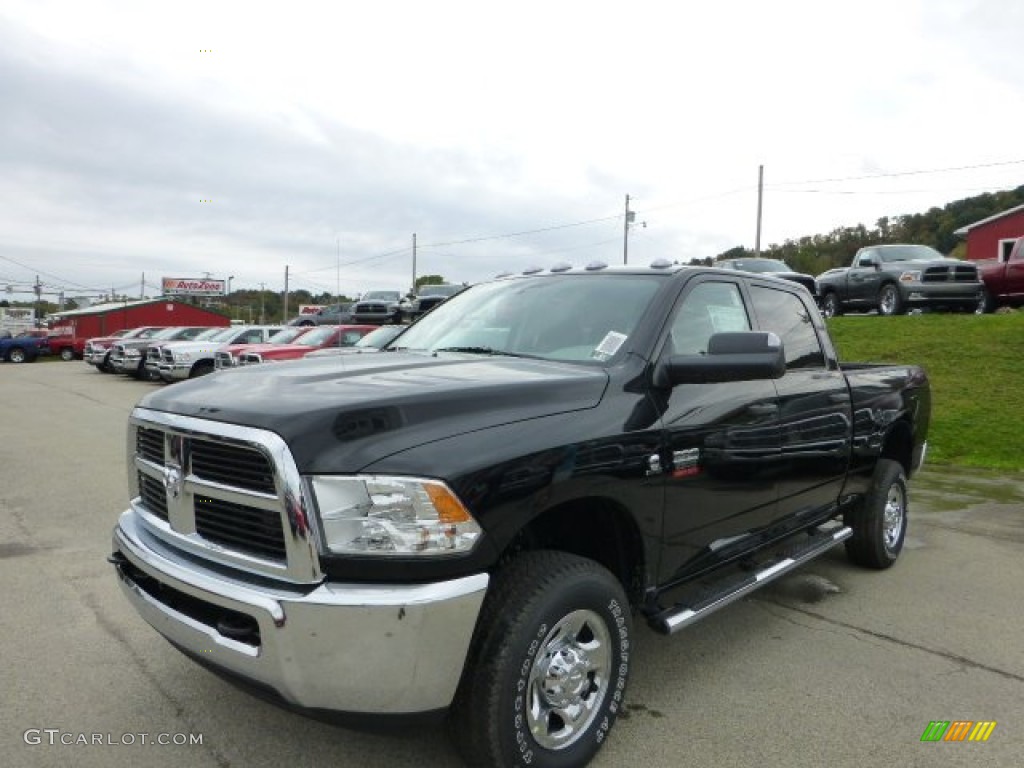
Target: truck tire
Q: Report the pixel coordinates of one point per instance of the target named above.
(880, 523)
(890, 302)
(986, 304)
(830, 305)
(67, 353)
(16, 355)
(547, 669)
(201, 368)
(105, 366)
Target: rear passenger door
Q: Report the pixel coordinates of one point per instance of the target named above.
(815, 409)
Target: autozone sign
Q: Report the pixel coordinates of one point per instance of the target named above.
(186, 286)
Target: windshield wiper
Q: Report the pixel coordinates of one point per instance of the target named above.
(480, 351)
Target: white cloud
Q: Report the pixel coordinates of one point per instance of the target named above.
(318, 125)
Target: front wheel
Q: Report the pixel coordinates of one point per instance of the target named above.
(547, 670)
(880, 523)
(889, 300)
(986, 304)
(16, 355)
(830, 305)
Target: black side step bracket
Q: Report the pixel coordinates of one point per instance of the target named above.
(721, 594)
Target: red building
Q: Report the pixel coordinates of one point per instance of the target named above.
(104, 319)
(992, 238)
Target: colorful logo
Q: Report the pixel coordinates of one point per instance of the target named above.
(958, 730)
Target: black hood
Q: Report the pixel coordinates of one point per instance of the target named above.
(340, 414)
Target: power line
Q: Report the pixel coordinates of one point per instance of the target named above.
(919, 172)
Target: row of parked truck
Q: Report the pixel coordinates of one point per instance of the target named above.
(178, 353)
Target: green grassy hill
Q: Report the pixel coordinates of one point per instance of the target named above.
(976, 367)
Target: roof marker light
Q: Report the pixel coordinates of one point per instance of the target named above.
(533, 270)
(661, 264)
(596, 265)
(562, 266)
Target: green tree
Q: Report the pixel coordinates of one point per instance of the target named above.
(429, 280)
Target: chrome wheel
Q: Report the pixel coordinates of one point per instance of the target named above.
(888, 301)
(893, 517)
(569, 679)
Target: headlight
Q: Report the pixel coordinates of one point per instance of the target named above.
(375, 514)
(182, 357)
(913, 276)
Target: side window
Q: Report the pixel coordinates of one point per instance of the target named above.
(709, 308)
(786, 316)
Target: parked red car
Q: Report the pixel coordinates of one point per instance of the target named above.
(319, 337)
(227, 356)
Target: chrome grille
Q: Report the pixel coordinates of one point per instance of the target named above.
(223, 492)
(957, 273)
(223, 359)
(166, 355)
(250, 358)
(232, 465)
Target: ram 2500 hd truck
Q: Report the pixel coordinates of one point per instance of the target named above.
(470, 520)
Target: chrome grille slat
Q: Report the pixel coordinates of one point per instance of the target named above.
(153, 495)
(233, 525)
(232, 465)
(149, 444)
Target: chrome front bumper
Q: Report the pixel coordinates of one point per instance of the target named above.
(176, 372)
(357, 648)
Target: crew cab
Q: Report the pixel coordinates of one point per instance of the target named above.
(896, 278)
(428, 297)
(24, 347)
(189, 359)
(323, 337)
(1004, 280)
(470, 520)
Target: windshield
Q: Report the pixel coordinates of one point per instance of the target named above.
(209, 333)
(287, 335)
(165, 333)
(583, 318)
(909, 253)
(381, 296)
(317, 336)
(222, 334)
(439, 290)
(760, 265)
(378, 338)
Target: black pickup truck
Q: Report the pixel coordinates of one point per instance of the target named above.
(470, 521)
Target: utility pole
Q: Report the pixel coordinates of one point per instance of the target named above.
(760, 195)
(413, 289)
(337, 296)
(142, 286)
(284, 314)
(263, 288)
(625, 233)
(39, 299)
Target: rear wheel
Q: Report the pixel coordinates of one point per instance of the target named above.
(880, 523)
(547, 669)
(889, 300)
(16, 355)
(67, 353)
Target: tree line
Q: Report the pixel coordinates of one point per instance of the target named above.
(814, 254)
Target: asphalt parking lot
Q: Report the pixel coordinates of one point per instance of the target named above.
(831, 666)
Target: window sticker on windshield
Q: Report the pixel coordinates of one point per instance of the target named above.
(609, 345)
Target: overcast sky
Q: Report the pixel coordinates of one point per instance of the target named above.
(180, 139)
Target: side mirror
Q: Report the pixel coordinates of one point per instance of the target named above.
(734, 356)
(869, 261)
